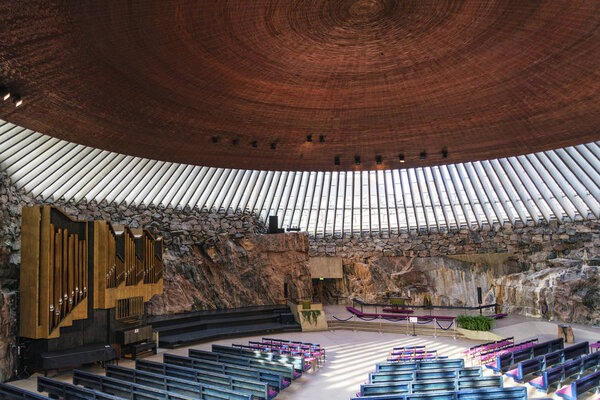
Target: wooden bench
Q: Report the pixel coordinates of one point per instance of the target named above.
(298, 361)
(255, 387)
(541, 363)
(505, 361)
(451, 363)
(63, 390)
(556, 375)
(580, 386)
(287, 371)
(417, 375)
(170, 390)
(175, 385)
(507, 348)
(9, 392)
(274, 379)
(434, 385)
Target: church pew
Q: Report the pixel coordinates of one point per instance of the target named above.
(9, 392)
(274, 379)
(416, 375)
(504, 362)
(64, 390)
(422, 364)
(541, 363)
(512, 393)
(176, 385)
(580, 386)
(509, 348)
(297, 361)
(173, 390)
(255, 387)
(310, 355)
(435, 385)
(560, 373)
(313, 347)
(287, 371)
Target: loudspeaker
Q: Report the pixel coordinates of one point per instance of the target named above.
(273, 224)
(479, 296)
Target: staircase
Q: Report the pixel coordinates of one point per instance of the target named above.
(430, 329)
(188, 328)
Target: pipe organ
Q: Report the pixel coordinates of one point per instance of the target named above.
(71, 268)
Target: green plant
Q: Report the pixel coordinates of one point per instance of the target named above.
(475, 323)
(311, 316)
(306, 304)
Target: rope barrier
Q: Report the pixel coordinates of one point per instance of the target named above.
(424, 323)
(445, 329)
(343, 320)
(365, 319)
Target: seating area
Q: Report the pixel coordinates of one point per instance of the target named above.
(231, 373)
(509, 359)
(557, 375)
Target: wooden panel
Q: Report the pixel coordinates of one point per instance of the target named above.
(30, 252)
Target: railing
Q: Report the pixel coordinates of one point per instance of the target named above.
(362, 303)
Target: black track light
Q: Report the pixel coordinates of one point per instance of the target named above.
(423, 155)
(321, 138)
(273, 146)
(444, 153)
(215, 139)
(357, 160)
(235, 142)
(4, 93)
(378, 160)
(309, 138)
(336, 160)
(401, 157)
(254, 143)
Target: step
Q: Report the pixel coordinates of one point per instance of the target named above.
(161, 320)
(200, 324)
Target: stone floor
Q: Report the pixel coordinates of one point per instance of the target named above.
(352, 355)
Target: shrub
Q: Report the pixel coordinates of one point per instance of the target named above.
(475, 323)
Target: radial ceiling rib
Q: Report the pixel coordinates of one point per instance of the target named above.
(553, 184)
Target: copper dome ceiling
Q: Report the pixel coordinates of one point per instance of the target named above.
(242, 84)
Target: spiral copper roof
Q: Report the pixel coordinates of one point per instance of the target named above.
(241, 84)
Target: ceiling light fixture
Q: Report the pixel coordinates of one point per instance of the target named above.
(378, 160)
(336, 160)
(401, 157)
(321, 138)
(17, 100)
(254, 143)
(423, 155)
(309, 138)
(273, 146)
(215, 139)
(444, 153)
(357, 160)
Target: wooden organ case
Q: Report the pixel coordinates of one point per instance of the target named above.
(83, 283)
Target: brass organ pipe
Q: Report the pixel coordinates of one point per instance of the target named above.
(70, 270)
(76, 271)
(64, 273)
(52, 275)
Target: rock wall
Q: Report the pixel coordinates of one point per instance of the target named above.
(545, 271)
(212, 260)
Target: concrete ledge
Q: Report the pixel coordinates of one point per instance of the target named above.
(486, 336)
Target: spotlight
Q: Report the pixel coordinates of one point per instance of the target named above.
(401, 157)
(357, 160)
(321, 138)
(336, 160)
(17, 100)
(378, 160)
(215, 139)
(444, 153)
(254, 144)
(273, 146)
(235, 142)
(423, 155)
(4, 93)
(309, 138)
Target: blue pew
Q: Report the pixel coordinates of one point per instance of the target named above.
(558, 374)
(64, 390)
(175, 385)
(422, 364)
(9, 392)
(580, 386)
(416, 375)
(541, 363)
(504, 362)
(297, 360)
(436, 385)
(255, 387)
(286, 370)
(169, 391)
(513, 393)
(274, 379)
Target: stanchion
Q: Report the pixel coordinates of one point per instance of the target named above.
(435, 327)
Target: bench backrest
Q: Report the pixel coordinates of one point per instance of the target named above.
(586, 383)
(255, 387)
(10, 392)
(121, 388)
(272, 378)
(297, 361)
(66, 390)
(424, 364)
(512, 393)
(431, 385)
(171, 384)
